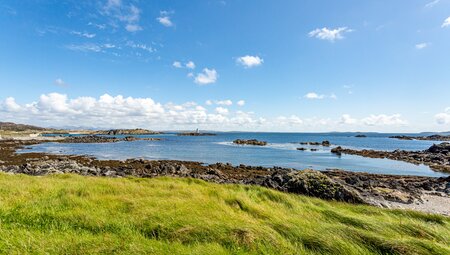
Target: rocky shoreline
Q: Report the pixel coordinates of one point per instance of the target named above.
(425, 138)
(103, 139)
(379, 190)
(137, 131)
(436, 157)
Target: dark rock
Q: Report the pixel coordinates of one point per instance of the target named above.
(250, 142)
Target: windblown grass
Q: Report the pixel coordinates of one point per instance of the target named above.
(69, 214)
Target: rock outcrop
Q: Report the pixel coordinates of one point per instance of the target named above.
(428, 138)
(250, 142)
(436, 157)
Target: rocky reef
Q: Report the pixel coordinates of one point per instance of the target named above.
(102, 139)
(428, 138)
(360, 136)
(323, 143)
(250, 142)
(436, 157)
(137, 131)
(195, 134)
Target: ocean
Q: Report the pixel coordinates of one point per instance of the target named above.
(281, 151)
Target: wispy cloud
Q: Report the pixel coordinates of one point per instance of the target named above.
(83, 34)
(330, 34)
(85, 47)
(128, 14)
(432, 3)
(250, 61)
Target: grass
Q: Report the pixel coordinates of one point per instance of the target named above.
(70, 214)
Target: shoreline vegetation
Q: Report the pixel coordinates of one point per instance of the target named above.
(72, 214)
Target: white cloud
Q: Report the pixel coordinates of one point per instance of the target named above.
(384, 120)
(128, 14)
(420, 46)
(313, 95)
(222, 110)
(133, 27)
(290, 121)
(118, 111)
(330, 34)
(250, 61)
(141, 46)
(432, 3)
(177, 64)
(346, 119)
(83, 34)
(443, 117)
(164, 19)
(241, 103)
(446, 22)
(86, 47)
(190, 65)
(227, 102)
(208, 76)
(209, 102)
(60, 82)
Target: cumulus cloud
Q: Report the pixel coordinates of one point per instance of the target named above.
(206, 77)
(347, 119)
(291, 120)
(421, 46)
(383, 120)
(222, 110)
(241, 103)
(313, 95)
(443, 117)
(250, 61)
(330, 34)
(190, 65)
(164, 19)
(226, 102)
(177, 64)
(446, 22)
(117, 111)
(133, 27)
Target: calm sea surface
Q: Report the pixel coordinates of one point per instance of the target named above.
(281, 151)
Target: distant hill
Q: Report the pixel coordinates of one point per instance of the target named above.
(9, 126)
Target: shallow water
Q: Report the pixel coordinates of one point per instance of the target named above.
(281, 151)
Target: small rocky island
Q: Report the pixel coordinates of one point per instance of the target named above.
(323, 143)
(250, 142)
(361, 136)
(425, 138)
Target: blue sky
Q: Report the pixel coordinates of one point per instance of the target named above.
(227, 65)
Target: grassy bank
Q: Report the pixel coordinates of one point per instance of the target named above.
(84, 215)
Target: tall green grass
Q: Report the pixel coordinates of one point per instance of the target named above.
(69, 214)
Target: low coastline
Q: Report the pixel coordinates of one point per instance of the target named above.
(428, 194)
